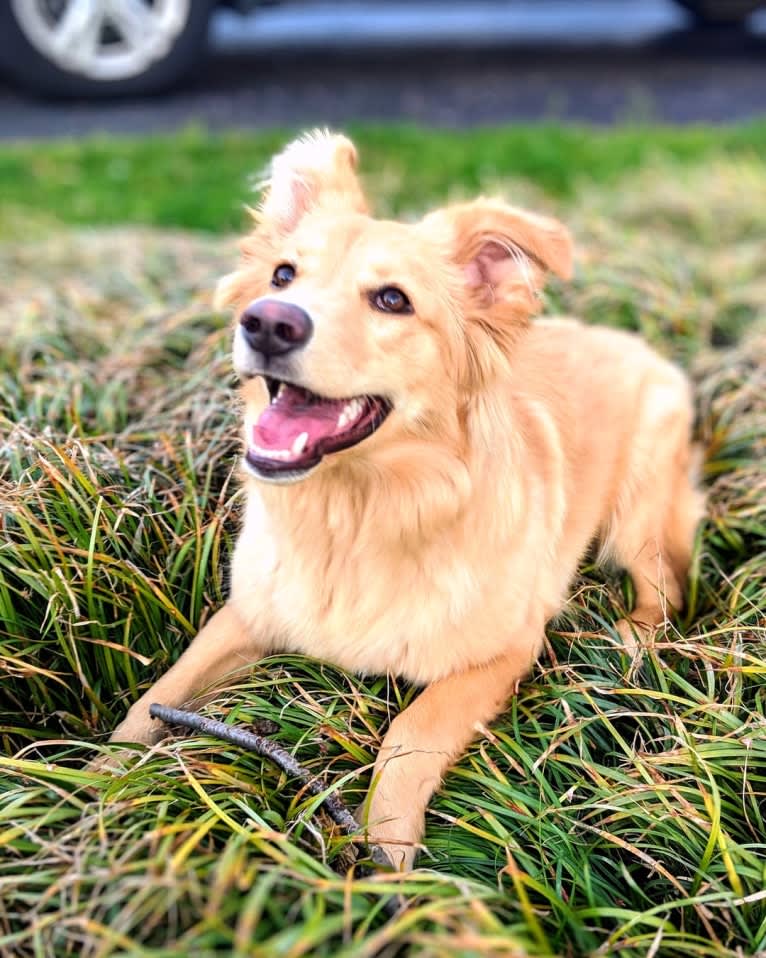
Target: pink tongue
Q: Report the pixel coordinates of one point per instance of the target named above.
(280, 424)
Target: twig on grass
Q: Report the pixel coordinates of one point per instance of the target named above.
(282, 758)
(261, 746)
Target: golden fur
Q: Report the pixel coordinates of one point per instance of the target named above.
(437, 548)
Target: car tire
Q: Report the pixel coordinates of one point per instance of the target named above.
(27, 59)
(720, 12)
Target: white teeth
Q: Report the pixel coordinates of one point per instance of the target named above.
(297, 448)
(350, 413)
(271, 453)
(281, 389)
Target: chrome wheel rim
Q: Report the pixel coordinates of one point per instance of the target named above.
(102, 39)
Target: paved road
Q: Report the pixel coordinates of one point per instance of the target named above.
(447, 64)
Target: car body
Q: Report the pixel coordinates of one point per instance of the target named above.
(93, 48)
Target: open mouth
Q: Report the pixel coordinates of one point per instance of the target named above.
(299, 427)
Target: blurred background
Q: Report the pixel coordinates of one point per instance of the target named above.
(71, 67)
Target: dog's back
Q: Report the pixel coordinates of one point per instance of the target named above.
(624, 416)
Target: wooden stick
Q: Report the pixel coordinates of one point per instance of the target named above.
(281, 757)
(262, 746)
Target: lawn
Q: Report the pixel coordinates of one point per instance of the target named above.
(610, 810)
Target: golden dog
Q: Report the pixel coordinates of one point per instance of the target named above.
(425, 466)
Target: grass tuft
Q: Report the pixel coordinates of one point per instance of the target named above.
(609, 811)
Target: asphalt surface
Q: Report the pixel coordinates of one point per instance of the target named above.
(457, 72)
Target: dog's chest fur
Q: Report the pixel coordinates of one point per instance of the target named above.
(355, 594)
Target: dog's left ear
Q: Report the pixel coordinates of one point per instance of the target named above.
(505, 252)
(316, 170)
(504, 255)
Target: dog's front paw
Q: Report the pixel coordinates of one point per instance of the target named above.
(398, 856)
(394, 844)
(630, 637)
(637, 637)
(136, 729)
(115, 763)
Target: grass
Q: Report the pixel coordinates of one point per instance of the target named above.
(608, 812)
(199, 180)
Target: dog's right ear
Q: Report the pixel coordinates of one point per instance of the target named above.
(316, 170)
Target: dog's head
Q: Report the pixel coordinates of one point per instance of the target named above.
(352, 332)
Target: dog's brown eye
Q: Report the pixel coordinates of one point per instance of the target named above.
(392, 300)
(284, 274)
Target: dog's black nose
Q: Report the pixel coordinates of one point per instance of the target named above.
(273, 328)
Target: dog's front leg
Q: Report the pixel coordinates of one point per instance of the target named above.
(425, 739)
(220, 648)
